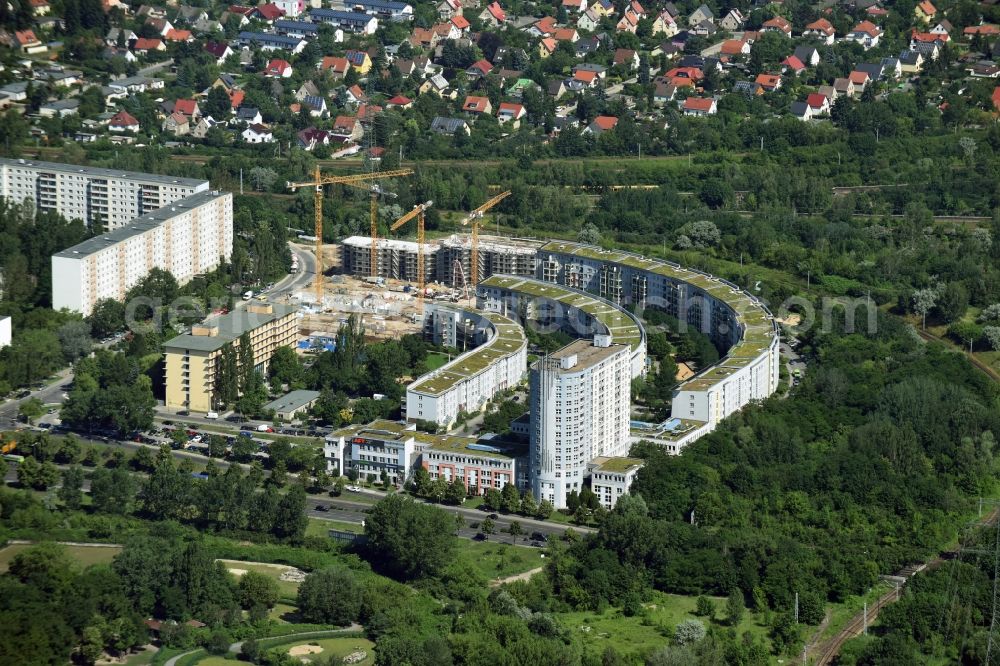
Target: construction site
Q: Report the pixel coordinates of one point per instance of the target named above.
(387, 280)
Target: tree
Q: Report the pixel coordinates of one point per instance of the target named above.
(112, 491)
(510, 500)
(515, 530)
(589, 234)
(330, 596)
(735, 608)
(290, 519)
(689, 631)
(545, 510)
(262, 178)
(705, 607)
(217, 104)
(31, 409)
(74, 339)
(36, 475)
(455, 494)
(992, 335)
(923, 302)
(952, 302)
(492, 500)
(71, 491)
(487, 527)
(412, 540)
(528, 505)
(257, 590)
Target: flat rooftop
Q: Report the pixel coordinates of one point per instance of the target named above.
(619, 323)
(140, 225)
(617, 464)
(509, 339)
(231, 326)
(381, 429)
(292, 400)
(525, 246)
(98, 172)
(388, 243)
(587, 355)
(670, 430)
(473, 446)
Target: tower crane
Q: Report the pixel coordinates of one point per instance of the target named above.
(417, 212)
(318, 182)
(376, 191)
(474, 217)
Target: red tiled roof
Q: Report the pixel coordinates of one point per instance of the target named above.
(778, 23)
(584, 75)
(699, 103)
(270, 12)
(606, 122)
(144, 44)
(821, 25)
(218, 49)
(857, 77)
(511, 108)
(185, 106)
(25, 37)
(564, 35)
(793, 62)
(123, 119)
(399, 100)
(483, 66)
(336, 63)
(996, 98)
(768, 80)
(927, 8)
(816, 100)
(868, 28)
(236, 98)
(460, 22)
(175, 35)
(733, 47)
(475, 103)
(497, 11)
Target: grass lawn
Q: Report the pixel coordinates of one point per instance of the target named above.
(435, 360)
(319, 526)
(644, 633)
(216, 661)
(82, 555)
(328, 647)
(283, 613)
(497, 557)
(287, 588)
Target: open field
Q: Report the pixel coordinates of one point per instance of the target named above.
(282, 613)
(320, 526)
(314, 649)
(82, 555)
(648, 631)
(287, 588)
(497, 559)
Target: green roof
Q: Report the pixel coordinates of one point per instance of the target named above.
(618, 464)
(617, 321)
(381, 429)
(755, 322)
(231, 326)
(508, 340)
(473, 446)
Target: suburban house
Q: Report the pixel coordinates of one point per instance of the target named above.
(822, 30)
(866, 33)
(476, 104)
(924, 11)
(601, 125)
(176, 124)
(777, 24)
(509, 112)
(123, 121)
(257, 134)
(700, 106)
(278, 68)
(493, 16)
(449, 126)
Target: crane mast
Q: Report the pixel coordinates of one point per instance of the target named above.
(318, 182)
(474, 218)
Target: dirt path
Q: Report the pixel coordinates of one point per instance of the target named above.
(516, 577)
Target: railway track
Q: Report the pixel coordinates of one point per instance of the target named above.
(828, 651)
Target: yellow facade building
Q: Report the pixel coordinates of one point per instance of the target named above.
(192, 360)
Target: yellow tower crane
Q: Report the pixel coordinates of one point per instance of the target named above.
(417, 212)
(318, 182)
(474, 217)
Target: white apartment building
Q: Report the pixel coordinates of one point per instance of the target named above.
(188, 237)
(370, 450)
(610, 478)
(111, 198)
(580, 402)
(496, 360)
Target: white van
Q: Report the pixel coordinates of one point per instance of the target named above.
(212, 415)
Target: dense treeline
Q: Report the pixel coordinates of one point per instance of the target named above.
(865, 468)
(943, 615)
